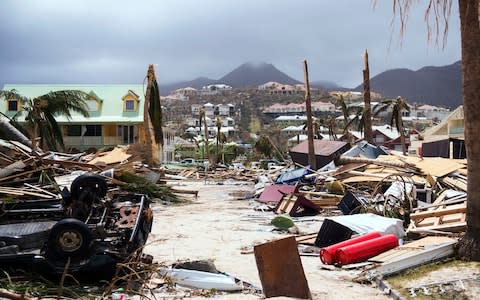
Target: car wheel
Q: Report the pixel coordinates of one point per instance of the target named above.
(69, 238)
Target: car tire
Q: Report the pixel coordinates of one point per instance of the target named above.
(91, 182)
(69, 238)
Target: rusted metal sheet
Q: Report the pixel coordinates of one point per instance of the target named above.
(325, 152)
(322, 147)
(280, 269)
(274, 193)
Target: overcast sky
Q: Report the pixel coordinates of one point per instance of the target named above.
(93, 41)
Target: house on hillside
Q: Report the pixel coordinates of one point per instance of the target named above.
(224, 110)
(296, 108)
(116, 112)
(388, 137)
(291, 120)
(429, 111)
(214, 89)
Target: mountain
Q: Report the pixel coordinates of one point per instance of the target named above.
(253, 74)
(197, 83)
(431, 85)
(246, 75)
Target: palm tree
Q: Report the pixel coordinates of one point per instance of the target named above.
(264, 146)
(331, 127)
(316, 129)
(398, 106)
(345, 111)
(358, 119)
(152, 119)
(40, 114)
(469, 245)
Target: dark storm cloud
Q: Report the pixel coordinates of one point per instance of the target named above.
(113, 41)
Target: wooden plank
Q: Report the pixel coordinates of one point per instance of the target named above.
(306, 237)
(348, 167)
(67, 163)
(451, 227)
(22, 192)
(280, 269)
(23, 174)
(452, 209)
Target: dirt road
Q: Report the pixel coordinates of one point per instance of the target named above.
(218, 227)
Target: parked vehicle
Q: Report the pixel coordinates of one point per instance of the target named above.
(188, 161)
(91, 231)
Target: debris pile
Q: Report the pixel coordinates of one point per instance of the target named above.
(85, 215)
(368, 192)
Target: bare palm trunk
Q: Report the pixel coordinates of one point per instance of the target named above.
(402, 137)
(218, 152)
(34, 137)
(12, 132)
(308, 104)
(366, 98)
(470, 29)
(145, 133)
(207, 155)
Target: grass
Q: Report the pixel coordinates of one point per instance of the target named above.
(402, 281)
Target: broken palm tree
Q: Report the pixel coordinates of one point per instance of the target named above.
(151, 133)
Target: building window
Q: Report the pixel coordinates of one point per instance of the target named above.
(92, 130)
(13, 105)
(74, 130)
(129, 105)
(92, 105)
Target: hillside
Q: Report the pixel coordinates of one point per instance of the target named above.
(246, 75)
(197, 83)
(432, 85)
(254, 74)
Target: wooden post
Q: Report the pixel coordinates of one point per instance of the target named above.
(367, 114)
(308, 105)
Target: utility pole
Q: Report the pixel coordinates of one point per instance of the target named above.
(308, 105)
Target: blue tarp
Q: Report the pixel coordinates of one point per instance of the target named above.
(292, 175)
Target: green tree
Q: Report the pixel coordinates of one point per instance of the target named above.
(398, 106)
(264, 146)
(40, 114)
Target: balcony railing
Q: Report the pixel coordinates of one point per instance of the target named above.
(83, 140)
(92, 141)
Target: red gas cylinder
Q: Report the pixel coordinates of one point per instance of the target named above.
(328, 254)
(361, 251)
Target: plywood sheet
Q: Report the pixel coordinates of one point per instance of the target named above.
(280, 269)
(117, 155)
